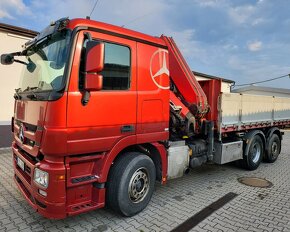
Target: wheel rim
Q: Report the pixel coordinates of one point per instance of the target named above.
(256, 152)
(274, 149)
(139, 185)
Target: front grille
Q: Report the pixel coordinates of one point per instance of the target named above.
(27, 169)
(27, 155)
(29, 142)
(28, 126)
(24, 174)
(27, 173)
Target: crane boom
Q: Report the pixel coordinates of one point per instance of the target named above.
(181, 75)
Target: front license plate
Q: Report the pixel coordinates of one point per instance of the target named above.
(20, 163)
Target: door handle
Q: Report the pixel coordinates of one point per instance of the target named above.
(127, 128)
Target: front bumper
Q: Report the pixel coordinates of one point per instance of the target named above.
(46, 206)
(46, 209)
(64, 197)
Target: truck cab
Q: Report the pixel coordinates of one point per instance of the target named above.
(85, 96)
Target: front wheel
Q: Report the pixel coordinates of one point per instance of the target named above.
(131, 183)
(253, 153)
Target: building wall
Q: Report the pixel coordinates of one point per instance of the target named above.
(263, 90)
(9, 75)
(267, 93)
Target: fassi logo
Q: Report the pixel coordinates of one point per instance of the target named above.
(159, 56)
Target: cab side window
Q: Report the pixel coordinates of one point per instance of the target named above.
(117, 66)
(116, 72)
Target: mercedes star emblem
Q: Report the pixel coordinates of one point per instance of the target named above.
(163, 69)
(21, 133)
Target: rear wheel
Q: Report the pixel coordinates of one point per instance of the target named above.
(131, 183)
(273, 148)
(253, 153)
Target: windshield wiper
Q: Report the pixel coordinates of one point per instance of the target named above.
(30, 88)
(16, 95)
(33, 95)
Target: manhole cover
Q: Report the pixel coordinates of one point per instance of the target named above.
(255, 182)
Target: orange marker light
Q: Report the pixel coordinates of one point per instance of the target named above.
(60, 177)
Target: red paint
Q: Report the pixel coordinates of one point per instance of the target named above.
(93, 82)
(212, 89)
(177, 101)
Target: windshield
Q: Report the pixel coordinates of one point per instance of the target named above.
(45, 63)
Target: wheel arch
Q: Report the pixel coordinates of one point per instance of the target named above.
(155, 151)
(248, 136)
(273, 130)
(154, 154)
(149, 150)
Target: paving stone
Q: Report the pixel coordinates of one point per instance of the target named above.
(254, 209)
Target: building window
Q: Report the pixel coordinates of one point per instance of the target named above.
(116, 72)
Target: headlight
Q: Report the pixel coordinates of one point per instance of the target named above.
(41, 177)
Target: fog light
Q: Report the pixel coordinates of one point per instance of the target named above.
(43, 193)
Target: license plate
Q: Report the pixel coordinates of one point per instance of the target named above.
(20, 163)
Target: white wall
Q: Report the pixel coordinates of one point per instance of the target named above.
(9, 75)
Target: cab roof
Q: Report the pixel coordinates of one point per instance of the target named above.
(116, 30)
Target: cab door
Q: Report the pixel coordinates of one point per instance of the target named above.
(110, 114)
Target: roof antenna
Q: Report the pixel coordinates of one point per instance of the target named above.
(137, 18)
(89, 17)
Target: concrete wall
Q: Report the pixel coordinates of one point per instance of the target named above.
(9, 75)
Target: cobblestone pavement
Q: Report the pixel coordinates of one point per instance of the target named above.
(254, 209)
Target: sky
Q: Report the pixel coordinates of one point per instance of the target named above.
(242, 40)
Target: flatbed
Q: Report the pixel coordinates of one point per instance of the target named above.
(246, 111)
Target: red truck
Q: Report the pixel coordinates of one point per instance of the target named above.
(102, 112)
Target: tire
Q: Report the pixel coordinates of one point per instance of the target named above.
(253, 153)
(273, 148)
(131, 183)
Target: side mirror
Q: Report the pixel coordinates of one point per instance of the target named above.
(94, 65)
(93, 82)
(95, 56)
(7, 59)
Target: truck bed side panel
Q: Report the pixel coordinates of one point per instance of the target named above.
(282, 108)
(256, 108)
(243, 111)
